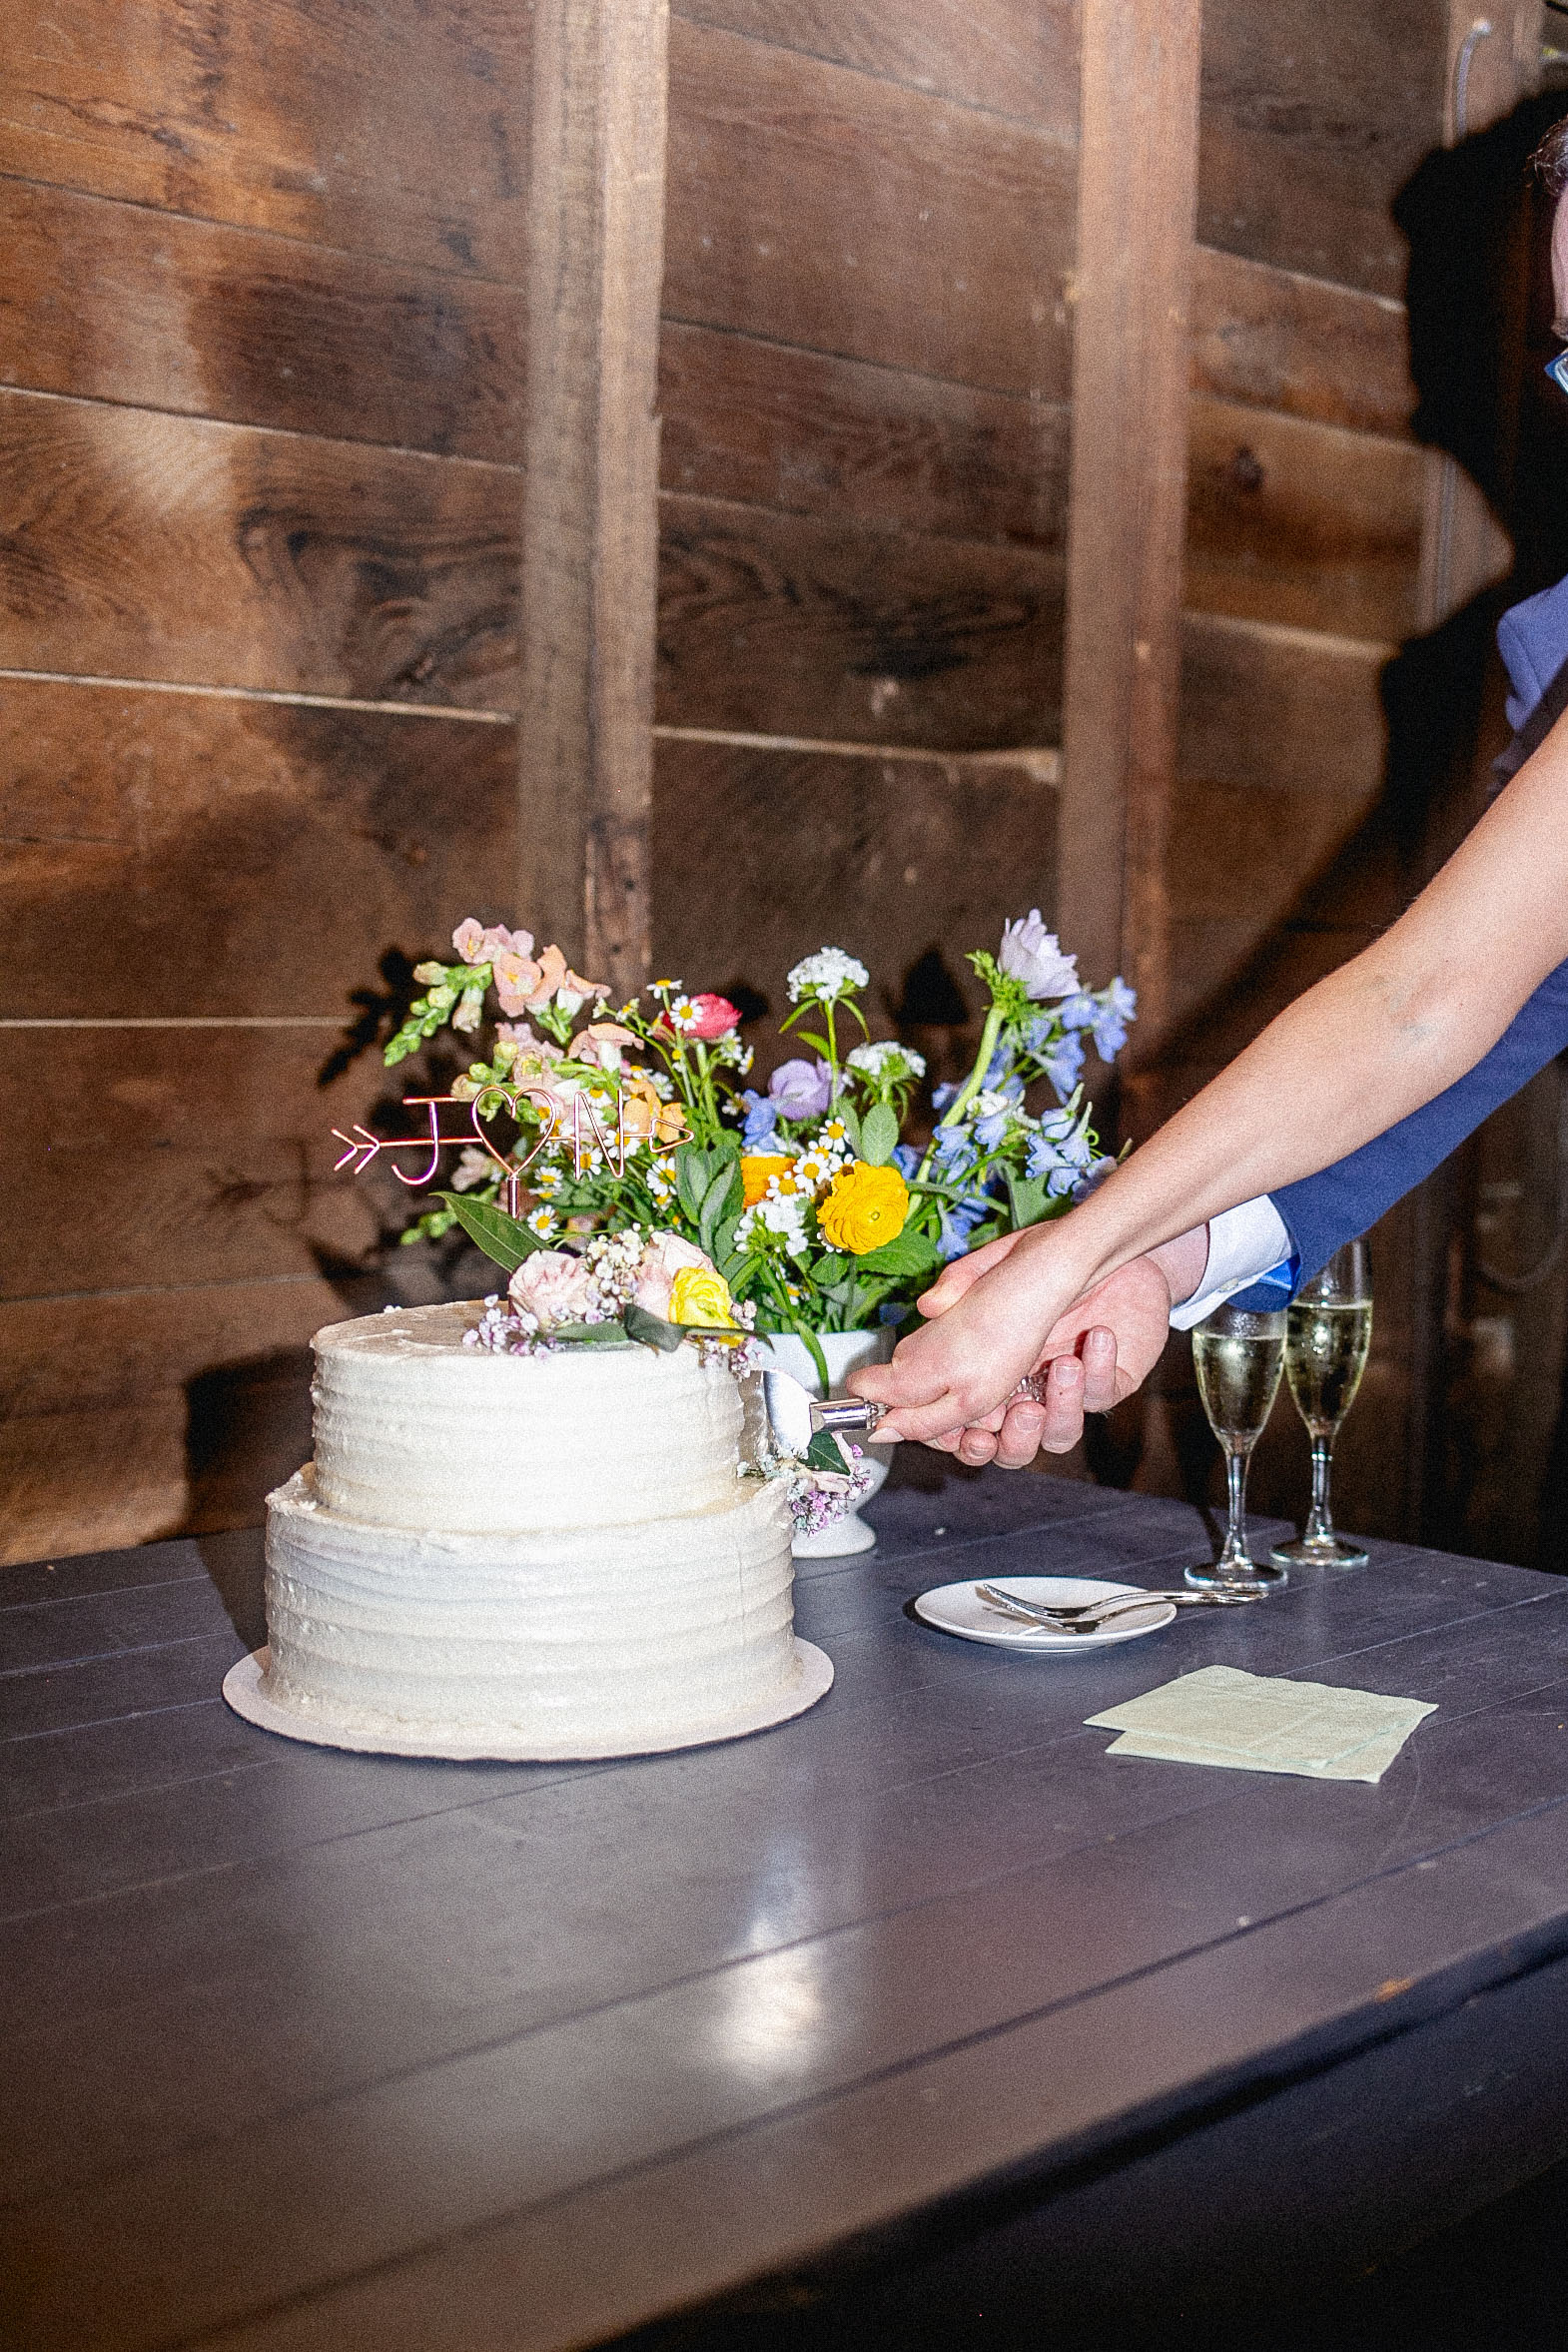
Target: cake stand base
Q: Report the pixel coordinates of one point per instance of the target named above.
(244, 1688)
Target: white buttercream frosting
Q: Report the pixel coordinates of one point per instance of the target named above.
(412, 1429)
(553, 1548)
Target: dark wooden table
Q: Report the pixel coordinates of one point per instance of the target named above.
(919, 1997)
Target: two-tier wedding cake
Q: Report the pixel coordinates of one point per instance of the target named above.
(505, 1555)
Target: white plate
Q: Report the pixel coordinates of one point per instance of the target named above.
(958, 1608)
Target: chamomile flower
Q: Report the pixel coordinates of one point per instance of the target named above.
(543, 1222)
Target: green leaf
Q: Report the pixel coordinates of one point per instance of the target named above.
(907, 1253)
(717, 1202)
(590, 1334)
(692, 1175)
(844, 1110)
(1026, 1196)
(825, 1453)
(879, 1133)
(504, 1238)
(652, 1330)
(830, 1268)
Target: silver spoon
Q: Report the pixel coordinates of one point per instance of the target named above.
(795, 1416)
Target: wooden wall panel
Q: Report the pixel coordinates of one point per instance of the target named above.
(126, 1417)
(395, 130)
(1281, 709)
(161, 1158)
(1302, 523)
(781, 625)
(1012, 57)
(116, 303)
(820, 206)
(808, 434)
(172, 829)
(1272, 338)
(144, 545)
(1314, 116)
(885, 857)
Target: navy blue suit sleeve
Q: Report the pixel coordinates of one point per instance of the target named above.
(1325, 1210)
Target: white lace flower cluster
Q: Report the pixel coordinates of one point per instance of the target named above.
(829, 974)
(886, 1059)
(613, 1263)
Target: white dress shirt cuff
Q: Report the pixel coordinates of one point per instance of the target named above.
(1243, 1244)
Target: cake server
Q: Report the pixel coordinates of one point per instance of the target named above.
(795, 1416)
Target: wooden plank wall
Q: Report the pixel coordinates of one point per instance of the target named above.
(262, 340)
(865, 371)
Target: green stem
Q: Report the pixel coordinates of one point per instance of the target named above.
(972, 1085)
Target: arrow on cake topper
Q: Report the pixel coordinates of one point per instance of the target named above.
(362, 1147)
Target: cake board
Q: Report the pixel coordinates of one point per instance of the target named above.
(245, 1692)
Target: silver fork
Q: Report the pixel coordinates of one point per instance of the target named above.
(1089, 1616)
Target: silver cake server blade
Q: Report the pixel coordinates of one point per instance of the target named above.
(794, 1415)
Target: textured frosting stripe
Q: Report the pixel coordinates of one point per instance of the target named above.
(624, 1635)
(415, 1430)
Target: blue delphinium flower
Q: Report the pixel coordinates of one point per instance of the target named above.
(762, 1117)
(1118, 1004)
(1063, 1066)
(906, 1159)
(992, 1129)
(958, 1223)
(953, 1147)
(941, 1096)
(1079, 1012)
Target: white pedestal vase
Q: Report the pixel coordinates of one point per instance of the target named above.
(845, 1351)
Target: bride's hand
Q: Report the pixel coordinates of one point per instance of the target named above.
(1091, 1357)
(958, 1371)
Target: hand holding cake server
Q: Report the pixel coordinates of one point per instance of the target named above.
(1344, 1102)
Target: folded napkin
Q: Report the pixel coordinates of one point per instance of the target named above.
(1262, 1723)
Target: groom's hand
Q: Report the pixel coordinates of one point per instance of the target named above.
(1099, 1353)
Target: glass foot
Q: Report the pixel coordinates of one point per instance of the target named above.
(1332, 1551)
(1234, 1576)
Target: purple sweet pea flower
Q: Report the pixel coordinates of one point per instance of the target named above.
(801, 1090)
(1030, 953)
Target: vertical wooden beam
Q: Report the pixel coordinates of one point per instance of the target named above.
(1137, 186)
(591, 520)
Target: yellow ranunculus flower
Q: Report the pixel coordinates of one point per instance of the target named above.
(865, 1206)
(756, 1169)
(699, 1295)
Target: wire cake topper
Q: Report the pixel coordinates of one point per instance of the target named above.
(362, 1147)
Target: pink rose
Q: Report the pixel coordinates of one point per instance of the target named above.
(662, 1260)
(709, 1016)
(553, 1285)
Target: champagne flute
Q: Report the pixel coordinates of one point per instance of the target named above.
(1239, 1358)
(1328, 1332)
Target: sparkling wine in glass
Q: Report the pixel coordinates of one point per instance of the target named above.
(1239, 1358)
(1328, 1332)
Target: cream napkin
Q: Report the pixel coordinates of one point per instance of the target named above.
(1262, 1723)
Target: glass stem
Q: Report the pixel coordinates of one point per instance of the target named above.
(1321, 1519)
(1237, 1459)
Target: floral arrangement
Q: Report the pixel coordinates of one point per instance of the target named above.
(662, 1188)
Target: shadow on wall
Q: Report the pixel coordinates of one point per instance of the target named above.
(1480, 305)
